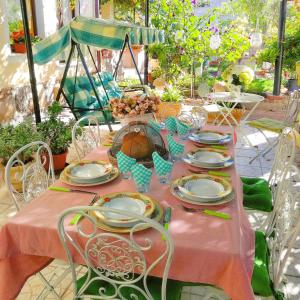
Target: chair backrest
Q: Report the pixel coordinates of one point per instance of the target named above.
(86, 136)
(292, 109)
(283, 159)
(29, 172)
(284, 224)
(116, 262)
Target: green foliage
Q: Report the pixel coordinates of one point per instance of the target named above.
(171, 94)
(56, 133)
(260, 86)
(291, 46)
(179, 54)
(129, 81)
(15, 26)
(13, 138)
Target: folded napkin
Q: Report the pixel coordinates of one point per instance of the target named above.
(182, 129)
(125, 162)
(162, 167)
(155, 125)
(141, 175)
(257, 194)
(174, 147)
(171, 124)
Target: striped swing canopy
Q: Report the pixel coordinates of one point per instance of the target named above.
(107, 34)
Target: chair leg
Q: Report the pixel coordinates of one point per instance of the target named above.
(49, 288)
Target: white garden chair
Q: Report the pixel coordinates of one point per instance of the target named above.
(112, 260)
(275, 126)
(26, 181)
(86, 136)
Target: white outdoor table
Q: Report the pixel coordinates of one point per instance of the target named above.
(226, 112)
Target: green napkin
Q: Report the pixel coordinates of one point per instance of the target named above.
(174, 147)
(257, 194)
(161, 166)
(171, 124)
(141, 175)
(182, 129)
(155, 125)
(125, 162)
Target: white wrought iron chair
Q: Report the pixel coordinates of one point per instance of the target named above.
(114, 262)
(283, 160)
(86, 136)
(26, 176)
(265, 124)
(28, 173)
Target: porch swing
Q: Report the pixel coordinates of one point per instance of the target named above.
(90, 94)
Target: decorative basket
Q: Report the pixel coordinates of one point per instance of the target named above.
(138, 140)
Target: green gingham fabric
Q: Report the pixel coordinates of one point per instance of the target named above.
(125, 162)
(51, 46)
(141, 175)
(107, 34)
(182, 128)
(174, 147)
(171, 124)
(161, 166)
(155, 125)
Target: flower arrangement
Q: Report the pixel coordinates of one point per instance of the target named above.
(134, 104)
(238, 75)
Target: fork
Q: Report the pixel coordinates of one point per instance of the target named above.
(78, 216)
(207, 212)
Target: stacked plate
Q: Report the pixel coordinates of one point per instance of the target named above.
(132, 202)
(89, 173)
(202, 189)
(210, 137)
(209, 158)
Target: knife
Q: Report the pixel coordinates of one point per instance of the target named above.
(63, 189)
(214, 173)
(167, 219)
(78, 217)
(217, 214)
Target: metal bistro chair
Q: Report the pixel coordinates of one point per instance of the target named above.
(116, 264)
(290, 120)
(283, 160)
(273, 248)
(26, 181)
(86, 136)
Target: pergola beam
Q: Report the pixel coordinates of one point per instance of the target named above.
(279, 57)
(35, 97)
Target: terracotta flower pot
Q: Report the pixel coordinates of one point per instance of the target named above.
(59, 161)
(20, 48)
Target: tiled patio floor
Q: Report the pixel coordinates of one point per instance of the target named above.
(259, 168)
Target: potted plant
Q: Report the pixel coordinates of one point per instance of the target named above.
(18, 41)
(170, 103)
(57, 134)
(135, 105)
(12, 139)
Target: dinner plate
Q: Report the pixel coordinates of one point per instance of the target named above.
(196, 164)
(131, 202)
(88, 171)
(182, 197)
(210, 137)
(209, 156)
(204, 188)
(156, 216)
(112, 176)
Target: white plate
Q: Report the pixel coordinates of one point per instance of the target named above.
(194, 163)
(180, 196)
(123, 203)
(194, 138)
(210, 136)
(88, 171)
(208, 157)
(204, 189)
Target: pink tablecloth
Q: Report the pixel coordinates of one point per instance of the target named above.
(207, 249)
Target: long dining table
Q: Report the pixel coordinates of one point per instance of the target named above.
(208, 249)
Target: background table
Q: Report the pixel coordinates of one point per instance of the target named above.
(207, 249)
